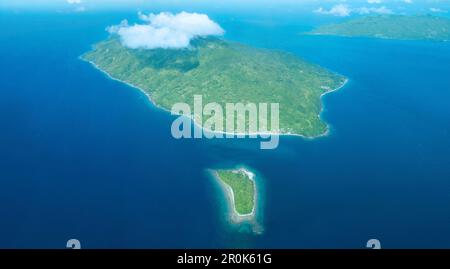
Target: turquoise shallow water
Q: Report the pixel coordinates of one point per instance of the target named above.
(86, 157)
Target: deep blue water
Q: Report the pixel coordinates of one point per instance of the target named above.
(86, 157)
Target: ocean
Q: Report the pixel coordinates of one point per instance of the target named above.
(86, 157)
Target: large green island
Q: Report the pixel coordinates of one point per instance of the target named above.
(400, 27)
(224, 72)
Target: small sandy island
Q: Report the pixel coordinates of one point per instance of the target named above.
(239, 187)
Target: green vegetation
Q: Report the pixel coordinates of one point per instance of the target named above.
(224, 72)
(391, 27)
(243, 189)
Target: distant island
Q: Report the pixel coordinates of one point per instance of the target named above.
(224, 72)
(400, 27)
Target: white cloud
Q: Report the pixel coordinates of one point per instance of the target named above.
(374, 1)
(340, 10)
(437, 10)
(344, 10)
(376, 10)
(77, 5)
(166, 30)
(80, 9)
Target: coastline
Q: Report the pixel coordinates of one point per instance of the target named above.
(328, 131)
(376, 37)
(324, 134)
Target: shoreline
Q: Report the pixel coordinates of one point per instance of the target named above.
(261, 134)
(377, 37)
(328, 131)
